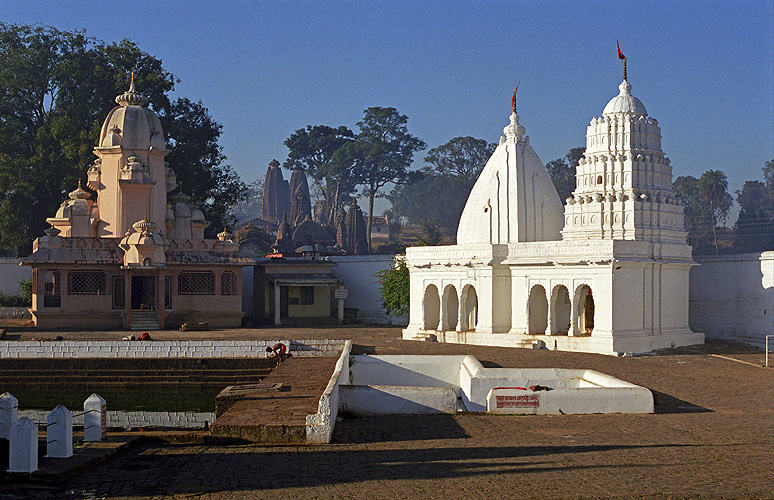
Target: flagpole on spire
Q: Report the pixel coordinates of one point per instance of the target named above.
(622, 58)
(513, 99)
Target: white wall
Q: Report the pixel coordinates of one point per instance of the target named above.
(11, 273)
(732, 297)
(357, 272)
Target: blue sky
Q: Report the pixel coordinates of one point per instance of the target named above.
(705, 70)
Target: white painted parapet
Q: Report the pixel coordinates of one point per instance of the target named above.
(9, 414)
(23, 450)
(94, 418)
(162, 348)
(59, 433)
(397, 400)
(319, 426)
(126, 420)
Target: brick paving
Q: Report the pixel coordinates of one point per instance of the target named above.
(279, 416)
(712, 436)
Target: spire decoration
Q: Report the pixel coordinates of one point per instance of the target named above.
(131, 97)
(621, 57)
(513, 99)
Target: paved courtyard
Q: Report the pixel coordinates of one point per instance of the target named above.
(712, 437)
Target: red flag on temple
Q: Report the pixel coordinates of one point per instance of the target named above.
(620, 54)
(513, 99)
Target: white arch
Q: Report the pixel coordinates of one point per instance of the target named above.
(561, 310)
(537, 311)
(431, 307)
(583, 310)
(469, 308)
(450, 304)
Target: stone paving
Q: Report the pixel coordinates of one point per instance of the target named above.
(712, 436)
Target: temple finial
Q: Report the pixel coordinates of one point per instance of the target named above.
(131, 83)
(622, 58)
(513, 99)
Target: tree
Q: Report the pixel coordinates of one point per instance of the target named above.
(418, 201)
(754, 228)
(453, 169)
(394, 287)
(696, 212)
(312, 150)
(461, 157)
(713, 186)
(381, 154)
(197, 159)
(562, 172)
(56, 88)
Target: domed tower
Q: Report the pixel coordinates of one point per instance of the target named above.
(513, 200)
(624, 180)
(129, 175)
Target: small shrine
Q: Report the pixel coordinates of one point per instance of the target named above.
(136, 256)
(606, 273)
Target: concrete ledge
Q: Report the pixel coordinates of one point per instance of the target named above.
(319, 426)
(397, 400)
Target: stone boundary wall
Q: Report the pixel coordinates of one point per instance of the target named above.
(163, 348)
(731, 297)
(11, 273)
(15, 312)
(357, 272)
(128, 419)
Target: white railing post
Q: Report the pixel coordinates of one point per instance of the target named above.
(9, 414)
(23, 449)
(767, 349)
(94, 418)
(59, 433)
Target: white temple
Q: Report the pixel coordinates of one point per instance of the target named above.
(609, 274)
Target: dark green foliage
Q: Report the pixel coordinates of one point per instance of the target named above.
(755, 225)
(312, 150)
(197, 159)
(713, 186)
(562, 172)
(382, 153)
(24, 299)
(435, 196)
(697, 214)
(394, 287)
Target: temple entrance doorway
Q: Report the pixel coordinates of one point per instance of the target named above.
(561, 309)
(537, 311)
(143, 293)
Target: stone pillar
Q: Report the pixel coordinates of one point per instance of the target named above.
(551, 328)
(94, 418)
(277, 298)
(59, 433)
(9, 414)
(23, 450)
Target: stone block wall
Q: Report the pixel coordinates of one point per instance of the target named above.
(731, 297)
(11, 273)
(128, 419)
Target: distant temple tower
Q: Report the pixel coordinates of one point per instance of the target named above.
(300, 202)
(276, 194)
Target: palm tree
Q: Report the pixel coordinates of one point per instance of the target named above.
(713, 186)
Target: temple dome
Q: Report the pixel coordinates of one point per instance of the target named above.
(625, 102)
(131, 124)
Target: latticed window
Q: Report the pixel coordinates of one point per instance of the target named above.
(167, 292)
(51, 289)
(228, 283)
(86, 283)
(196, 283)
(119, 292)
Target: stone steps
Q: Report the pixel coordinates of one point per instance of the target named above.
(144, 320)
